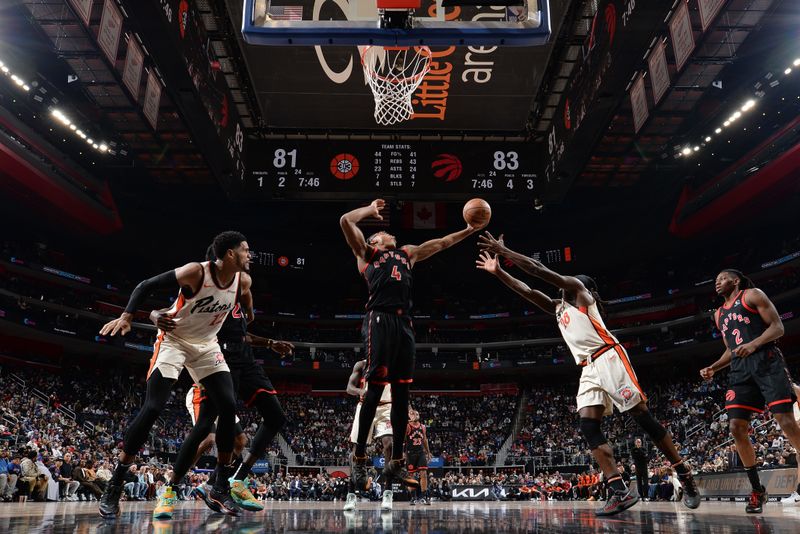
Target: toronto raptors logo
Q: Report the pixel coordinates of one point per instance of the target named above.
(381, 372)
(730, 395)
(344, 166)
(446, 167)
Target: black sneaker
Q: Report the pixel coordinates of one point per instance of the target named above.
(691, 495)
(359, 470)
(757, 501)
(412, 502)
(397, 471)
(109, 502)
(202, 492)
(619, 501)
(223, 499)
(426, 501)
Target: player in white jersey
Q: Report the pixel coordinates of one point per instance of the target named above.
(794, 498)
(381, 426)
(208, 291)
(607, 379)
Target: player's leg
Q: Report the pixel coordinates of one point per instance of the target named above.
(257, 391)
(741, 401)
(219, 388)
(196, 443)
(663, 440)
(401, 375)
(156, 397)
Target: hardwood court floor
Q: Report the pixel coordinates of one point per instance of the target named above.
(489, 517)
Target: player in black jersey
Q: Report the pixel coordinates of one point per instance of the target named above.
(387, 330)
(418, 454)
(750, 326)
(253, 388)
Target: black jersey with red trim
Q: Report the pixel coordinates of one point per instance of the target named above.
(415, 437)
(388, 276)
(234, 328)
(740, 323)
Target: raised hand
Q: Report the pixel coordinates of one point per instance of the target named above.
(707, 373)
(488, 243)
(488, 263)
(377, 205)
(121, 325)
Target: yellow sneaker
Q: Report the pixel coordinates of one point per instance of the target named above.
(166, 504)
(242, 496)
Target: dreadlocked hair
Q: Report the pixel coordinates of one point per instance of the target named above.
(591, 286)
(744, 281)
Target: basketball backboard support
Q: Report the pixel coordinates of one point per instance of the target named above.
(267, 23)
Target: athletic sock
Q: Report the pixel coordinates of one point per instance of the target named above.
(681, 468)
(752, 474)
(120, 470)
(617, 484)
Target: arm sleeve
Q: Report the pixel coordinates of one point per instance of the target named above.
(143, 290)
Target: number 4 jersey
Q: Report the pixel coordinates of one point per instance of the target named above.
(388, 276)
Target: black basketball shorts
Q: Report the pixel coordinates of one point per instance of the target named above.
(416, 461)
(249, 379)
(389, 348)
(757, 381)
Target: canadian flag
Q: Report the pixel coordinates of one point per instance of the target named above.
(424, 215)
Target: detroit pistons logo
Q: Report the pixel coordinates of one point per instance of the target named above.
(219, 359)
(730, 395)
(344, 166)
(447, 167)
(626, 393)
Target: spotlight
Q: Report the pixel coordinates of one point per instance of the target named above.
(796, 62)
(708, 138)
(103, 147)
(737, 115)
(89, 141)
(73, 127)
(718, 130)
(749, 104)
(4, 69)
(686, 151)
(788, 70)
(95, 145)
(726, 123)
(696, 148)
(26, 87)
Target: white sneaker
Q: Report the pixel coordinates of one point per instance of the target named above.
(386, 504)
(350, 503)
(794, 498)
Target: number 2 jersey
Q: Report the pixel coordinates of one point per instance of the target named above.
(388, 276)
(200, 317)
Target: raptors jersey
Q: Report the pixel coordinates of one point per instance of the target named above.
(200, 317)
(415, 437)
(740, 323)
(583, 330)
(388, 276)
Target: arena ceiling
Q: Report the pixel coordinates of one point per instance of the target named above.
(567, 102)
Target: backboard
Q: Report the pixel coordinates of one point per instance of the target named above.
(393, 23)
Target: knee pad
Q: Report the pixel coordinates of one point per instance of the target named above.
(590, 429)
(648, 423)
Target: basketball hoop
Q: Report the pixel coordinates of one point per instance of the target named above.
(393, 74)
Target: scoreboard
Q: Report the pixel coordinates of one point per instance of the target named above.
(336, 170)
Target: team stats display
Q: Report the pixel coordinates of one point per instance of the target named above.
(342, 170)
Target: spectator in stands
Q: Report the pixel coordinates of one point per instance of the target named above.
(30, 474)
(62, 474)
(86, 479)
(8, 480)
(641, 458)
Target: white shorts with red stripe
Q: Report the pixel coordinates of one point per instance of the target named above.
(610, 381)
(194, 399)
(172, 354)
(381, 425)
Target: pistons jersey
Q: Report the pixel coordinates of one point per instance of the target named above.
(740, 323)
(388, 276)
(200, 316)
(583, 330)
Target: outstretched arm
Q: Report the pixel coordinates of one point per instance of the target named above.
(490, 264)
(429, 248)
(707, 373)
(246, 297)
(534, 268)
(353, 234)
(188, 277)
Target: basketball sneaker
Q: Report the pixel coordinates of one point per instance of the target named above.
(619, 501)
(397, 471)
(351, 502)
(243, 497)
(426, 501)
(360, 477)
(109, 502)
(794, 498)
(757, 501)
(691, 495)
(386, 502)
(166, 504)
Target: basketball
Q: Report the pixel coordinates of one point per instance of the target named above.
(477, 212)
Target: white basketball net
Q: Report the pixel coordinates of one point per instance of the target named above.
(393, 74)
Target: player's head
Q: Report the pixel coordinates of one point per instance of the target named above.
(231, 247)
(413, 415)
(382, 241)
(731, 280)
